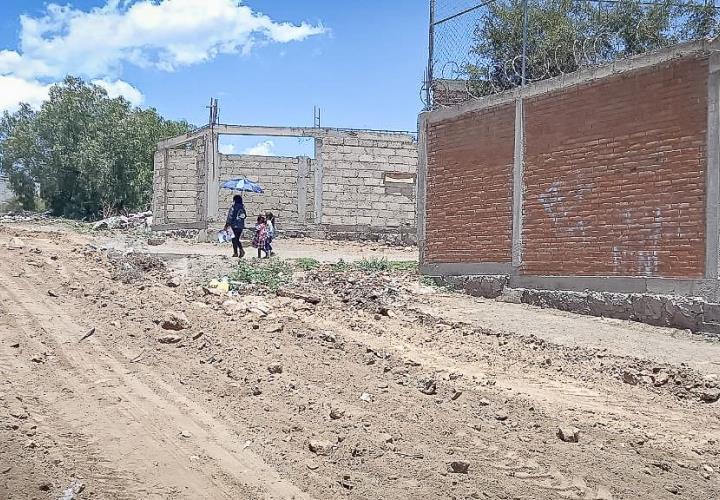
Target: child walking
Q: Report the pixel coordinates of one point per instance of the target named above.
(261, 234)
(270, 221)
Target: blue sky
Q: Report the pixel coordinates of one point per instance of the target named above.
(361, 61)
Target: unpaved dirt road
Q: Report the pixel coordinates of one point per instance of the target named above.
(384, 389)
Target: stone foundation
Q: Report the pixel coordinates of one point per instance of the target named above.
(692, 313)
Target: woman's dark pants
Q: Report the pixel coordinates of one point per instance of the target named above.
(237, 246)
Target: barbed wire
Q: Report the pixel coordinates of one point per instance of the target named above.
(459, 69)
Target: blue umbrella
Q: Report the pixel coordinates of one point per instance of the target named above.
(242, 185)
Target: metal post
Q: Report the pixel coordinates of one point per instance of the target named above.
(524, 39)
(431, 47)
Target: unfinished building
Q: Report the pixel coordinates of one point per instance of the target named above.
(592, 192)
(360, 184)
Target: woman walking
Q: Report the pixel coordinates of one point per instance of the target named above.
(236, 222)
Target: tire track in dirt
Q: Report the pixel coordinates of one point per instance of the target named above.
(141, 429)
(557, 395)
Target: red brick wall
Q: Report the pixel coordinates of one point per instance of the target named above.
(615, 176)
(469, 187)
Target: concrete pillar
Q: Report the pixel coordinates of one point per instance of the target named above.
(712, 180)
(318, 182)
(421, 195)
(165, 179)
(212, 159)
(302, 173)
(518, 172)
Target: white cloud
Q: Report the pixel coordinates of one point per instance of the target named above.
(226, 149)
(160, 34)
(119, 88)
(15, 90)
(264, 148)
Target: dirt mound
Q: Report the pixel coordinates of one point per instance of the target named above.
(133, 267)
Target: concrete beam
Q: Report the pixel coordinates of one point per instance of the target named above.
(707, 289)
(269, 131)
(712, 173)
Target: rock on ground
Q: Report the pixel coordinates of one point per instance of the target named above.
(459, 467)
(170, 339)
(175, 320)
(16, 243)
(568, 434)
(320, 446)
(710, 395)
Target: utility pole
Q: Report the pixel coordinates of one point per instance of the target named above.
(431, 49)
(213, 179)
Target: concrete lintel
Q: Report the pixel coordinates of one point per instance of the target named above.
(421, 185)
(271, 131)
(578, 77)
(466, 269)
(266, 159)
(712, 173)
(518, 174)
(317, 132)
(268, 131)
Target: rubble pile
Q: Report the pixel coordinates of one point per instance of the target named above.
(132, 267)
(25, 216)
(137, 220)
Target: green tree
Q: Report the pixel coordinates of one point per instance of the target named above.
(90, 155)
(18, 153)
(564, 35)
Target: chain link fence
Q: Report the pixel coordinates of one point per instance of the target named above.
(478, 48)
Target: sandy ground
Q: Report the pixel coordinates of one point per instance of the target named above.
(358, 385)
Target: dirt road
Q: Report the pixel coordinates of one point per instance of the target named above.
(383, 389)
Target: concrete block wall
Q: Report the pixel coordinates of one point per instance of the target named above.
(361, 184)
(368, 179)
(607, 178)
(288, 185)
(179, 178)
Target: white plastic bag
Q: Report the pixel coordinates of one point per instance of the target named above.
(223, 236)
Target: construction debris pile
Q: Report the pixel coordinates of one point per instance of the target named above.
(137, 220)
